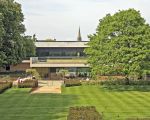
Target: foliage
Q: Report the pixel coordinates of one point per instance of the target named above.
(138, 118)
(4, 86)
(29, 44)
(49, 39)
(69, 83)
(13, 46)
(91, 82)
(125, 82)
(83, 113)
(2, 32)
(121, 45)
(63, 72)
(33, 72)
(12, 75)
(112, 82)
(28, 84)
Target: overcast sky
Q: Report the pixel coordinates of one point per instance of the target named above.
(61, 19)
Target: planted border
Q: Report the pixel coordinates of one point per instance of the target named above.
(69, 83)
(84, 113)
(138, 119)
(28, 84)
(4, 86)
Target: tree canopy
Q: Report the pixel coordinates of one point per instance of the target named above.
(2, 56)
(29, 44)
(12, 46)
(121, 45)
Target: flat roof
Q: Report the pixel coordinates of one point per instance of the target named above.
(77, 44)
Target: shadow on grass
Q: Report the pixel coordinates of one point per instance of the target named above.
(57, 105)
(142, 88)
(25, 106)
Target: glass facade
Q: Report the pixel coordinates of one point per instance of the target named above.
(48, 52)
(72, 59)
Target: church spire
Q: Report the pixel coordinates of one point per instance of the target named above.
(79, 38)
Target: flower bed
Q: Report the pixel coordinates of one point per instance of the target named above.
(28, 84)
(4, 86)
(84, 113)
(69, 83)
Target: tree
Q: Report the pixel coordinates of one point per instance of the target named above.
(33, 72)
(121, 45)
(14, 44)
(63, 72)
(29, 44)
(2, 32)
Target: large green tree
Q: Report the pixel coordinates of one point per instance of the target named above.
(2, 56)
(29, 44)
(13, 45)
(121, 45)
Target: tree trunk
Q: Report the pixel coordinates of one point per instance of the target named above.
(127, 81)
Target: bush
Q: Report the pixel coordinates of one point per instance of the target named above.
(124, 82)
(34, 73)
(69, 83)
(138, 119)
(84, 113)
(28, 84)
(91, 82)
(4, 86)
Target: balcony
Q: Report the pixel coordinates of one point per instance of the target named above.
(58, 62)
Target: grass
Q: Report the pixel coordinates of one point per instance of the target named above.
(18, 104)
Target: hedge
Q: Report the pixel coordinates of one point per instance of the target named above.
(92, 82)
(84, 113)
(125, 82)
(69, 83)
(138, 118)
(28, 84)
(117, 82)
(4, 86)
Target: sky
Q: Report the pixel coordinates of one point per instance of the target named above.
(60, 19)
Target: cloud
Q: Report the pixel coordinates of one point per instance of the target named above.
(61, 18)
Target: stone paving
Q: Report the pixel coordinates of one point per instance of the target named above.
(48, 87)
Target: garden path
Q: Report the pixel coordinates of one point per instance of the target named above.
(46, 86)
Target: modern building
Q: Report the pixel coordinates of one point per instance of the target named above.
(52, 56)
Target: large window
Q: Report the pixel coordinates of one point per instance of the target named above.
(45, 52)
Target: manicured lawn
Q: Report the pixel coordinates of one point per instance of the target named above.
(18, 104)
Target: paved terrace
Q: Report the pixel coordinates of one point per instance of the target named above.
(48, 87)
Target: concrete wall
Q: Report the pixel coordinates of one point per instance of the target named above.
(20, 67)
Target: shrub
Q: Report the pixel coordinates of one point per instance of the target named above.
(69, 83)
(28, 84)
(116, 82)
(33, 72)
(91, 82)
(138, 119)
(63, 72)
(84, 113)
(4, 86)
(124, 82)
